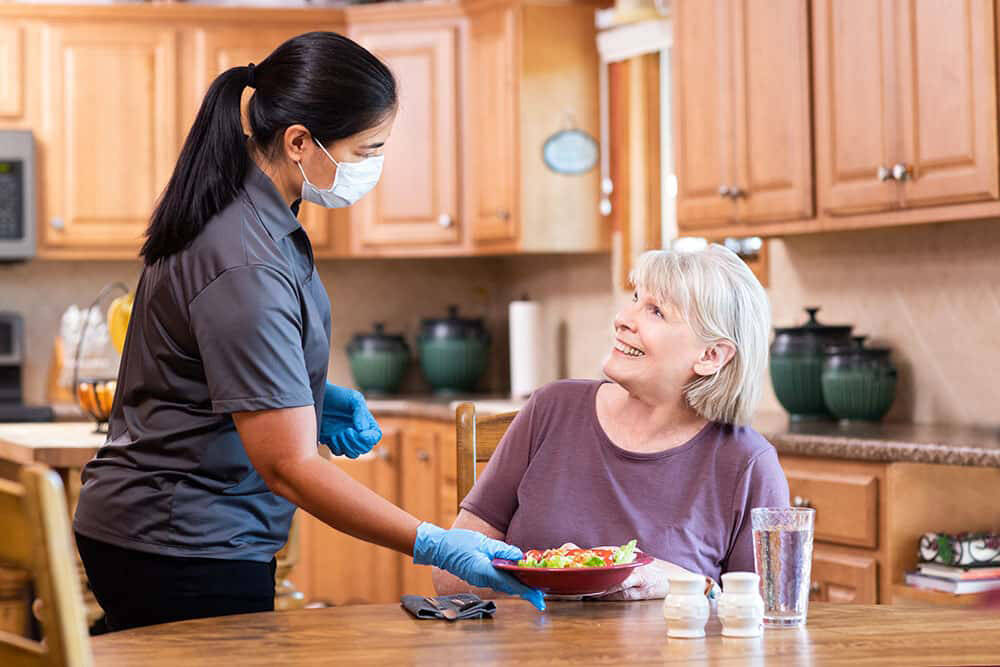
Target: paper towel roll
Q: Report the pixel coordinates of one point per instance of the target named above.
(525, 347)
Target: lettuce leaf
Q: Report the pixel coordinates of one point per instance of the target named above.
(625, 553)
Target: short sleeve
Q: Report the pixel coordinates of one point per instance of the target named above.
(493, 498)
(249, 330)
(762, 484)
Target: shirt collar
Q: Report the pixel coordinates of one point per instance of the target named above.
(278, 218)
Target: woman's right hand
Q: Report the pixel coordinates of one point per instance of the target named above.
(467, 554)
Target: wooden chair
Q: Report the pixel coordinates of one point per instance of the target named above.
(35, 536)
(477, 439)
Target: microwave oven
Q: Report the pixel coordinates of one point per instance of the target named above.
(17, 195)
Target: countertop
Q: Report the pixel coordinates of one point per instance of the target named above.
(918, 443)
(71, 444)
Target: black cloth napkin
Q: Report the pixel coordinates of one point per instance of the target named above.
(466, 604)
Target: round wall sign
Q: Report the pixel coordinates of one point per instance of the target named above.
(570, 152)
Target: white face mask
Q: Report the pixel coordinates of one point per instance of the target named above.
(353, 181)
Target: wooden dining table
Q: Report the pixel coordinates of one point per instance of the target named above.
(590, 633)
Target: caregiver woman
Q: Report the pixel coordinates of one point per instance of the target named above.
(222, 393)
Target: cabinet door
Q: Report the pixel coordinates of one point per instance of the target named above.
(416, 201)
(109, 133)
(856, 118)
(703, 112)
(843, 578)
(947, 56)
(12, 73)
(493, 146)
(345, 570)
(220, 49)
(420, 485)
(772, 95)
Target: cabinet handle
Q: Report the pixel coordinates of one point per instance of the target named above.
(57, 224)
(883, 173)
(799, 501)
(815, 588)
(384, 454)
(724, 191)
(445, 220)
(423, 455)
(736, 192)
(503, 214)
(900, 171)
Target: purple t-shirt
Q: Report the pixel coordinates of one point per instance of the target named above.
(557, 477)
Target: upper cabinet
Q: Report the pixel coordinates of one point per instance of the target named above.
(905, 104)
(108, 133)
(741, 113)
(416, 203)
(526, 82)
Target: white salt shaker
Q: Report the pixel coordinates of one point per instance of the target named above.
(686, 607)
(741, 608)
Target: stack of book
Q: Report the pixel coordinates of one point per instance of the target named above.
(955, 579)
(960, 564)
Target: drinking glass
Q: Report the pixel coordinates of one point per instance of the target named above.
(782, 554)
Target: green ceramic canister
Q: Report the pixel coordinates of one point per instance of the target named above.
(859, 383)
(453, 352)
(378, 360)
(797, 357)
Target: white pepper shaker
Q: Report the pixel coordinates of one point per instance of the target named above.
(741, 608)
(686, 608)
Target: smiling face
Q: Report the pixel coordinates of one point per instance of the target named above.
(655, 352)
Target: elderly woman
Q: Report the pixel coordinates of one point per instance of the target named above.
(662, 452)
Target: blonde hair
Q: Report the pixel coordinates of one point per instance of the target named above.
(720, 299)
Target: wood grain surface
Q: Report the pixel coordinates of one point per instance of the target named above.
(593, 633)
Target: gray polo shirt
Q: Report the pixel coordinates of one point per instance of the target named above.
(237, 321)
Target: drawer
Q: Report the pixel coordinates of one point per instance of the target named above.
(846, 502)
(843, 578)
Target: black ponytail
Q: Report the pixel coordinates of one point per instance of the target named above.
(323, 80)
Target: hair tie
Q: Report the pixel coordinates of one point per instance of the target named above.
(250, 81)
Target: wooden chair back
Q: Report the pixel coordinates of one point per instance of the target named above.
(35, 536)
(477, 439)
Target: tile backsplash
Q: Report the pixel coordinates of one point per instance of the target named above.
(932, 293)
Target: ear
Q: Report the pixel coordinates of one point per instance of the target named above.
(295, 141)
(714, 357)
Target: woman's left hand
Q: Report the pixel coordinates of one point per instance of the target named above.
(347, 426)
(645, 583)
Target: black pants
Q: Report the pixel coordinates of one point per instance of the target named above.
(136, 588)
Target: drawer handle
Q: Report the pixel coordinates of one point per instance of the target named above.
(799, 501)
(815, 588)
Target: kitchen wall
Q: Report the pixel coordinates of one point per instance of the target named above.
(930, 292)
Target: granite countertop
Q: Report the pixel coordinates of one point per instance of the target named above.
(917, 443)
(886, 442)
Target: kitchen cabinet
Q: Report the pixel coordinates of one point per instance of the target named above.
(12, 77)
(905, 104)
(843, 578)
(741, 113)
(414, 467)
(870, 516)
(525, 82)
(416, 203)
(110, 93)
(108, 132)
(336, 568)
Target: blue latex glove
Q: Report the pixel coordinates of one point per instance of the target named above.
(346, 425)
(467, 554)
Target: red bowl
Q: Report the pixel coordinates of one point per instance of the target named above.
(572, 580)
